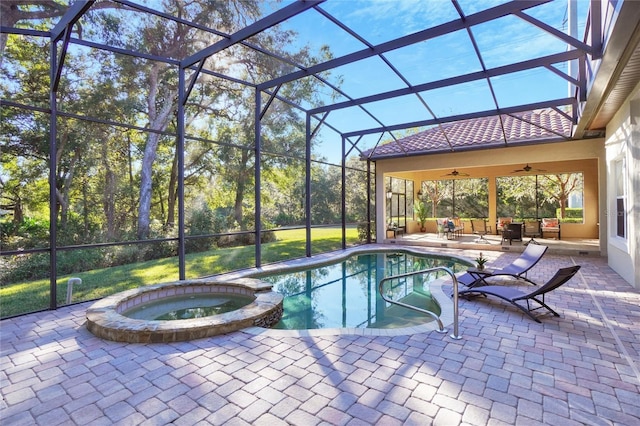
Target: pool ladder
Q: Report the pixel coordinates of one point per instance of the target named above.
(453, 335)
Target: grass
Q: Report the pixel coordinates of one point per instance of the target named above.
(30, 296)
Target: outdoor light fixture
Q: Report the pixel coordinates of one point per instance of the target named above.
(389, 193)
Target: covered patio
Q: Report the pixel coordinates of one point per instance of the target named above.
(568, 246)
(585, 157)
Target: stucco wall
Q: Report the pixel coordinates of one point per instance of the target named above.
(623, 142)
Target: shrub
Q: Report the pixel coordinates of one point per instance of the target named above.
(234, 240)
(268, 237)
(72, 261)
(363, 231)
(571, 213)
(30, 233)
(201, 221)
(24, 267)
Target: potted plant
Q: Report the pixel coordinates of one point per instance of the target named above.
(422, 214)
(480, 261)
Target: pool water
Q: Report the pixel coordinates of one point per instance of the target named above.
(345, 295)
(188, 307)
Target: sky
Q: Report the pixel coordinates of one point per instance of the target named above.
(507, 40)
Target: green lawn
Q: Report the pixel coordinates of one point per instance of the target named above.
(32, 296)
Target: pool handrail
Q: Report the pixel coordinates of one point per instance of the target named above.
(455, 334)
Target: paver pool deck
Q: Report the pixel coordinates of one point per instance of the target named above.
(580, 368)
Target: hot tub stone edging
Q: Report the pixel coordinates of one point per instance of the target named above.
(105, 319)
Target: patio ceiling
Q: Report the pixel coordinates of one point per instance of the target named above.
(472, 74)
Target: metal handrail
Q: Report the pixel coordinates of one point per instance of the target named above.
(455, 334)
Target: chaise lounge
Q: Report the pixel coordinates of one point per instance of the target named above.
(513, 295)
(517, 269)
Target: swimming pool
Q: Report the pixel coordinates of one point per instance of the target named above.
(345, 294)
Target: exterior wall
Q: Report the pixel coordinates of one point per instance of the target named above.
(586, 156)
(623, 142)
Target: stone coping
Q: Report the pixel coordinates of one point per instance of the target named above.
(105, 319)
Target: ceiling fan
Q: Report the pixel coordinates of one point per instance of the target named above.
(456, 173)
(527, 168)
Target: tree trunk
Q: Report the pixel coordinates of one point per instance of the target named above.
(157, 121)
(146, 186)
(62, 192)
(173, 193)
(109, 203)
(132, 200)
(563, 203)
(237, 204)
(240, 187)
(18, 212)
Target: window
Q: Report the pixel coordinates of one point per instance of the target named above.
(456, 197)
(399, 200)
(621, 199)
(550, 195)
(557, 191)
(517, 197)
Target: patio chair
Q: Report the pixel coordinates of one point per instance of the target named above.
(513, 295)
(480, 228)
(441, 228)
(458, 230)
(532, 230)
(517, 269)
(550, 225)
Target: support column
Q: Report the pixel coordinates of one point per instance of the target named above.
(493, 202)
(369, 201)
(53, 211)
(180, 155)
(572, 29)
(258, 177)
(344, 192)
(307, 184)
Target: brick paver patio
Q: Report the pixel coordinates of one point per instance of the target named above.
(581, 368)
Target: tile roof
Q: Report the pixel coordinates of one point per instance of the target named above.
(547, 125)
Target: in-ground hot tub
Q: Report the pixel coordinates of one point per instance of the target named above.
(107, 318)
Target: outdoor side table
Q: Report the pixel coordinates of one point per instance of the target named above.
(479, 276)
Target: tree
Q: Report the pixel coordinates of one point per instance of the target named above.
(558, 188)
(435, 191)
(517, 196)
(283, 127)
(143, 92)
(356, 190)
(30, 12)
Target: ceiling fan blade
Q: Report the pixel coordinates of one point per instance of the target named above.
(528, 168)
(456, 173)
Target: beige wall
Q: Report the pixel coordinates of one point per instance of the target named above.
(586, 156)
(623, 142)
